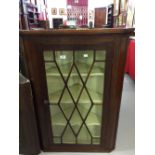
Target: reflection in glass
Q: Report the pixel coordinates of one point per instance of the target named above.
(75, 83)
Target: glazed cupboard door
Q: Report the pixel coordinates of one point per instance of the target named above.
(72, 95)
(76, 89)
(75, 86)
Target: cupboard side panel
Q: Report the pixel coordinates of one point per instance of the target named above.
(34, 58)
(116, 89)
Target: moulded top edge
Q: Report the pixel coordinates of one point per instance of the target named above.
(80, 31)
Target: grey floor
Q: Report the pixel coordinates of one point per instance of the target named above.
(125, 143)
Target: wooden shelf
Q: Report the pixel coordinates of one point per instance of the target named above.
(33, 24)
(32, 15)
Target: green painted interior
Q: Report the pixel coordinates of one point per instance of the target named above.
(75, 120)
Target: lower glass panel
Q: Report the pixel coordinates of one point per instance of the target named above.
(75, 82)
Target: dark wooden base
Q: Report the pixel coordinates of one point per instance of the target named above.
(77, 148)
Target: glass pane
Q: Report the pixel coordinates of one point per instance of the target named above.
(58, 120)
(55, 83)
(64, 60)
(66, 98)
(93, 121)
(95, 83)
(67, 104)
(76, 121)
(84, 104)
(84, 60)
(57, 140)
(96, 141)
(75, 82)
(68, 136)
(84, 136)
(100, 54)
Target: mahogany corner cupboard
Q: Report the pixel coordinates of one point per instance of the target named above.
(77, 79)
